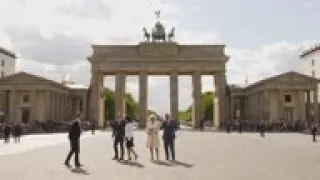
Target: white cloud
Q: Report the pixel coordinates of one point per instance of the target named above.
(53, 38)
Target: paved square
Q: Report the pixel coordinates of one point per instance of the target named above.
(203, 155)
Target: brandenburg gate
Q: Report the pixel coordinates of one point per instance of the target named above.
(159, 54)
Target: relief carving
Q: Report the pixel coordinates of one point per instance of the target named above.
(154, 49)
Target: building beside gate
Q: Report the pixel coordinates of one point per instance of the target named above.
(26, 97)
(287, 97)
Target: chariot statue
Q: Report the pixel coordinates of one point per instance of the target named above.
(158, 33)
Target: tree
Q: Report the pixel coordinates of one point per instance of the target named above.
(206, 108)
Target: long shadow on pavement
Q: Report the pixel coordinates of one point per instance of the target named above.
(163, 163)
(173, 163)
(184, 164)
(132, 164)
(78, 170)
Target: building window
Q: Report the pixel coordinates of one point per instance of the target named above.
(287, 99)
(25, 99)
(3, 63)
(312, 62)
(313, 74)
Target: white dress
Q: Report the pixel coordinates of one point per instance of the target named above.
(152, 130)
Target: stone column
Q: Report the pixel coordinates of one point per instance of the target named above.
(174, 101)
(48, 106)
(308, 106)
(315, 104)
(266, 113)
(232, 109)
(220, 85)
(120, 94)
(63, 104)
(33, 106)
(143, 99)
(53, 105)
(58, 106)
(281, 104)
(96, 98)
(196, 94)
(301, 105)
(13, 110)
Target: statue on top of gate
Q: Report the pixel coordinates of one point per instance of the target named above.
(158, 33)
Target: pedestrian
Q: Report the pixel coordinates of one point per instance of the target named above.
(169, 127)
(74, 138)
(262, 129)
(129, 129)
(17, 132)
(314, 132)
(240, 127)
(93, 127)
(153, 142)
(118, 134)
(7, 132)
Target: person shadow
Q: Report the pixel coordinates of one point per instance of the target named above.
(132, 163)
(183, 164)
(78, 170)
(173, 163)
(162, 163)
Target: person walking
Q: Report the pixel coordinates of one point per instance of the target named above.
(93, 127)
(17, 132)
(129, 129)
(262, 129)
(7, 132)
(118, 134)
(314, 132)
(169, 127)
(153, 142)
(74, 138)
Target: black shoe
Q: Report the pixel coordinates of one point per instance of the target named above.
(121, 159)
(115, 158)
(79, 165)
(67, 164)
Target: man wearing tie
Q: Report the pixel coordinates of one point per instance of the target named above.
(118, 134)
(169, 127)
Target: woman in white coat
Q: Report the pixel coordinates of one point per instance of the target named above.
(153, 141)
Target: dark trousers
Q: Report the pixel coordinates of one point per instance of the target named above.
(17, 138)
(74, 149)
(169, 144)
(314, 137)
(118, 140)
(7, 137)
(262, 133)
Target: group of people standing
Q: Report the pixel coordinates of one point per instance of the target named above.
(123, 135)
(15, 130)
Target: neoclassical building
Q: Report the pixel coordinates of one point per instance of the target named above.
(287, 97)
(25, 97)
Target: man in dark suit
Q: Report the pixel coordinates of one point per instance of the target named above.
(7, 132)
(314, 131)
(74, 138)
(169, 127)
(118, 132)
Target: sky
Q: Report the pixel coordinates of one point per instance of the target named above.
(52, 38)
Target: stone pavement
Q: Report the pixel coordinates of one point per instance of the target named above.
(202, 155)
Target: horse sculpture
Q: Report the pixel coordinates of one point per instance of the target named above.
(146, 34)
(171, 34)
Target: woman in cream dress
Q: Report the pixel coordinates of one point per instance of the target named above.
(153, 141)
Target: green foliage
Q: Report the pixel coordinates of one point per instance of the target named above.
(206, 108)
(131, 105)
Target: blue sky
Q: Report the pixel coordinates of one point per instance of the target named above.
(263, 38)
